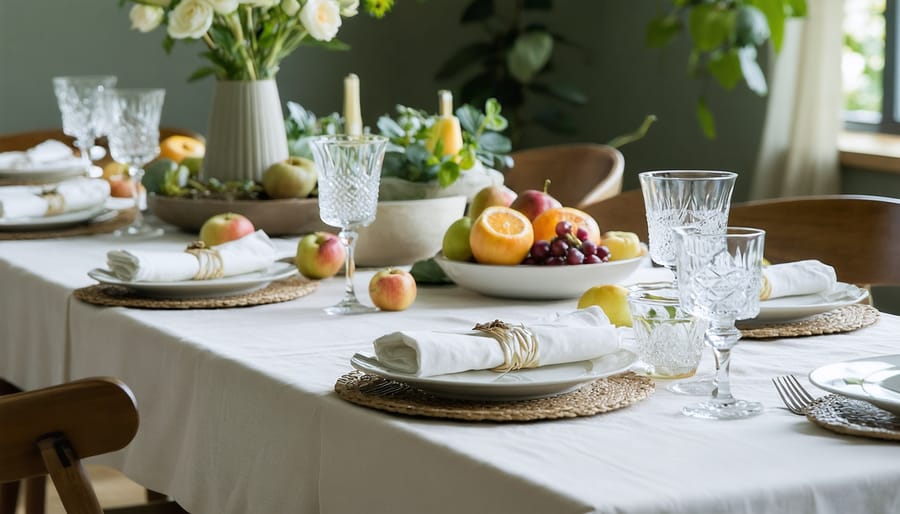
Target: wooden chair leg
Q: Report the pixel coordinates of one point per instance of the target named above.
(9, 497)
(36, 495)
(68, 475)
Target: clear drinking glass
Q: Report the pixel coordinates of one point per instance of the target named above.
(79, 100)
(349, 177)
(134, 141)
(685, 198)
(719, 278)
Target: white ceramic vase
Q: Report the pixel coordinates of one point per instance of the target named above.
(246, 131)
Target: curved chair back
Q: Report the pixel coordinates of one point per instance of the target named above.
(625, 211)
(580, 174)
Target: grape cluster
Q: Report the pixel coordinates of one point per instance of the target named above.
(566, 248)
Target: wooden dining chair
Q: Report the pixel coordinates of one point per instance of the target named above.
(49, 431)
(624, 211)
(580, 174)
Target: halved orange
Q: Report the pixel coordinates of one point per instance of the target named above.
(545, 223)
(501, 235)
(178, 147)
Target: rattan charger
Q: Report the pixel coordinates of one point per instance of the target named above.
(842, 319)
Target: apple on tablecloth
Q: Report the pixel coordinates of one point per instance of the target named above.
(222, 228)
(320, 255)
(392, 289)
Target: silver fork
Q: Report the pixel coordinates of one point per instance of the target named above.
(794, 396)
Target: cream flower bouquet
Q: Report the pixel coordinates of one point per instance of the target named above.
(247, 39)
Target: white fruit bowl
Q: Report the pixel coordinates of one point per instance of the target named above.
(536, 282)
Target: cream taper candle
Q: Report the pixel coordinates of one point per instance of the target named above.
(352, 112)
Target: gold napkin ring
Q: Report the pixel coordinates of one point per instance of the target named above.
(766, 289)
(210, 261)
(55, 203)
(518, 343)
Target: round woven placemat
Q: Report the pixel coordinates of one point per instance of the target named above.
(122, 219)
(602, 395)
(842, 319)
(118, 296)
(855, 417)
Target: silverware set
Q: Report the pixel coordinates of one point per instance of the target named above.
(794, 396)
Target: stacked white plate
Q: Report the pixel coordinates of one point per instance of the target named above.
(872, 379)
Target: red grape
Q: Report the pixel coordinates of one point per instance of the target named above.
(603, 253)
(591, 259)
(563, 227)
(559, 247)
(554, 261)
(574, 256)
(540, 249)
(582, 234)
(530, 261)
(588, 248)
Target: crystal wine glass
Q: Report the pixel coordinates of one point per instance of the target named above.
(719, 278)
(134, 141)
(685, 198)
(349, 177)
(79, 100)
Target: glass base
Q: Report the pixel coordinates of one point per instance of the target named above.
(699, 387)
(349, 306)
(717, 409)
(139, 232)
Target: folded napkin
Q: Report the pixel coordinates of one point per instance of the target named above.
(797, 278)
(579, 335)
(48, 155)
(68, 196)
(250, 253)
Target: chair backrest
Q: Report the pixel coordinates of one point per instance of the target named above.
(48, 431)
(26, 140)
(625, 212)
(580, 174)
(858, 235)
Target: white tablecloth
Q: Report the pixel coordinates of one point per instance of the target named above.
(238, 413)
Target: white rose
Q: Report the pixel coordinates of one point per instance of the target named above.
(290, 7)
(321, 18)
(146, 17)
(261, 3)
(190, 19)
(349, 7)
(223, 6)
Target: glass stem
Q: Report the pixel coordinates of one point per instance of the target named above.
(136, 173)
(84, 148)
(722, 337)
(348, 239)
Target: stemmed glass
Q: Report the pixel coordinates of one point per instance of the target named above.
(719, 278)
(134, 141)
(349, 177)
(79, 100)
(685, 198)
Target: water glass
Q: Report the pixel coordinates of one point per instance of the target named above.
(668, 339)
(349, 177)
(719, 278)
(134, 141)
(79, 100)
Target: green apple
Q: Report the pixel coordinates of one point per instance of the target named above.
(456, 240)
(319, 255)
(155, 174)
(292, 178)
(193, 164)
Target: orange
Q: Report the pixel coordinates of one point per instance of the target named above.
(545, 223)
(501, 235)
(178, 147)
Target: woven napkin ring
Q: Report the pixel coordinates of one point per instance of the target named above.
(210, 261)
(519, 345)
(766, 288)
(55, 203)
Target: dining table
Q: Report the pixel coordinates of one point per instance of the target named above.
(238, 410)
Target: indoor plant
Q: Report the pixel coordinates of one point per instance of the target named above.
(246, 41)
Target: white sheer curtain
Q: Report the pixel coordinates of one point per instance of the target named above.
(798, 152)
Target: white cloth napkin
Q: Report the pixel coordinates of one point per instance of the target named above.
(46, 156)
(797, 278)
(579, 335)
(252, 252)
(77, 194)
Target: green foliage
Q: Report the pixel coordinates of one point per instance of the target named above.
(725, 35)
(512, 62)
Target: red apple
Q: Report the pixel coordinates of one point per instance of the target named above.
(392, 289)
(490, 196)
(320, 255)
(533, 202)
(222, 228)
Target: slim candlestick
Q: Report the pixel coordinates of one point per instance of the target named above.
(352, 112)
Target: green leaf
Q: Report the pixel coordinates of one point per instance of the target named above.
(564, 92)
(709, 26)
(477, 11)
(759, 21)
(429, 272)
(468, 158)
(725, 67)
(494, 142)
(334, 44)
(462, 59)
(624, 139)
(795, 8)
(167, 43)
(390, 128)
(662, 29)
(201, 73)
(529, 54)
(469, 118)
(706, 120)
(753, 74)
(448, 173)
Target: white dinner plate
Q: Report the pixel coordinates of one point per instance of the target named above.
(536, 282)
(66, 219)
(35, 175)
(521, 384)
(797, 307)
(226, 286)
(872, 379)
